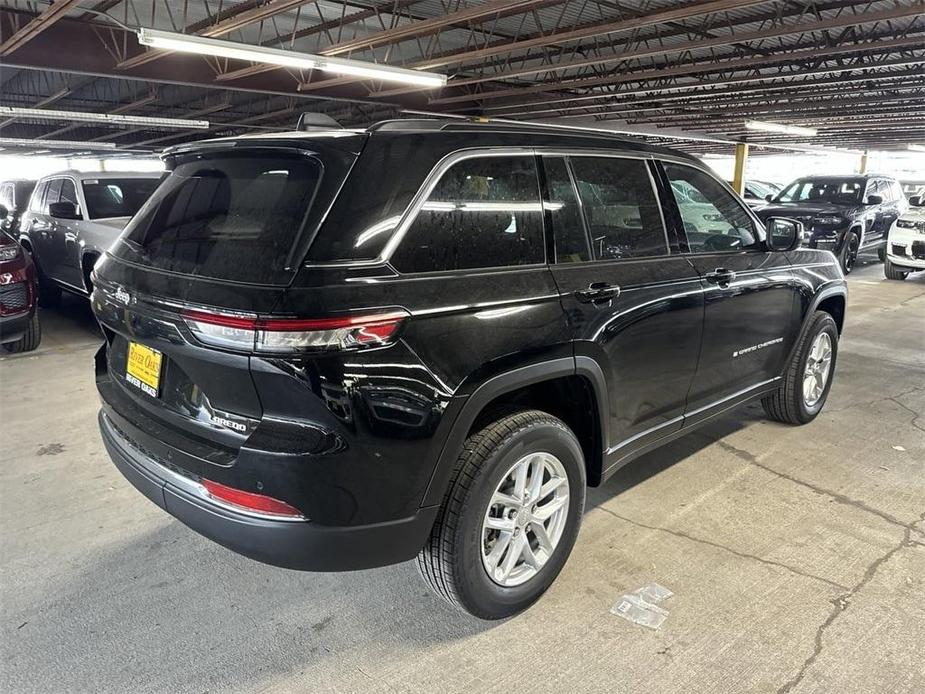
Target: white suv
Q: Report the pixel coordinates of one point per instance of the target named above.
(905, 248)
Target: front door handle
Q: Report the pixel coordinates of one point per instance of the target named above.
(598, 293)
(720, 276)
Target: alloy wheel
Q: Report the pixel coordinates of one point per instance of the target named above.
(525, 519)
(818, 367)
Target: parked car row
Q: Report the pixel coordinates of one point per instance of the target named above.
(51, 233)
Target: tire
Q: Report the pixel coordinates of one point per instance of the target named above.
(30, 339)
(892, 272)
(789, 403)
(49, 294)
(454, 561)
(849, 252)
(881, 253)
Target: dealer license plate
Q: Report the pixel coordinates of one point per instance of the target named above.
(143, 368)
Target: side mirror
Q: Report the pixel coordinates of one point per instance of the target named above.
(783, 234)
(4, 213)
(915, 201)
(874, 200)
(769, 197)
(64, 210)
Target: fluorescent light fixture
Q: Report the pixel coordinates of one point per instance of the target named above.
(115, 119)
(65, 144)
(917, 148)
(780, 128)
(186, 43)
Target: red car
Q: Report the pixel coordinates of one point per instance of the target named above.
(19, 318)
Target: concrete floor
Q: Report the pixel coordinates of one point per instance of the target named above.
(796, 555)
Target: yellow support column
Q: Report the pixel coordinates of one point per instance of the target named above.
(863, 168)
(738, 178)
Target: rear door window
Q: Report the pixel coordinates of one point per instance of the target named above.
(230, 215)
(620, 207)
(483, 212)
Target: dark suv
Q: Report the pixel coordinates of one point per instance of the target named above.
(847, 215)
(340, 350)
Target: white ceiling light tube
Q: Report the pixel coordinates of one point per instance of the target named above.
(186, 43)
(112, 118)
(45, 144)
(780, 128)
(916, 148)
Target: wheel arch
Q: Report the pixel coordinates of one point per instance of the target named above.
(552, 386)
(832, 299)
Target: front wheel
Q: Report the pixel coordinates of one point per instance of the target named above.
(30, 339)
(808, 378)
(510, 516)
(849, 253)
(892, 272)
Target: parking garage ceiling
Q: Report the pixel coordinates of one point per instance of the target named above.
(852, 70)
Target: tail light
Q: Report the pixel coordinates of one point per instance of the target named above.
(295, 334)
(248, 501)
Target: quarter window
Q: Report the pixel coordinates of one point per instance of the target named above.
(620, 207)
(565, 212)
(35, 202)
(68, 192)
(713, 219)
(53, 194)
(484, 212)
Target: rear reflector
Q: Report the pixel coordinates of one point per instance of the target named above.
(247, 501)
(294, 334)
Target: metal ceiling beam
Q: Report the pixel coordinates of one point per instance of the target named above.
(732, 64)
(592, 31)
(755, 81)
(469, 15)
(78, 51)
(40, 23)
(711, 96)
(556, 37)
(840, 22)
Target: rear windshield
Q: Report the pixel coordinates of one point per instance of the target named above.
(116, 197)
(229, 215)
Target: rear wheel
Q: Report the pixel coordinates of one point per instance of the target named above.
(510, 516)
(30, 339)
(893, 272)
(849, 252)
(805, 387)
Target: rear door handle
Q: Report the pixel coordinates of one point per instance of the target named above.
(720, 276)
(598, 293)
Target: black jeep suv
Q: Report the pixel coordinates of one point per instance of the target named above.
(339, 350)
(847, 215)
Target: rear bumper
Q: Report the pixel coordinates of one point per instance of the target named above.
(302, 545)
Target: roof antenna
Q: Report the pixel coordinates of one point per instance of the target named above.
(317, 121)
